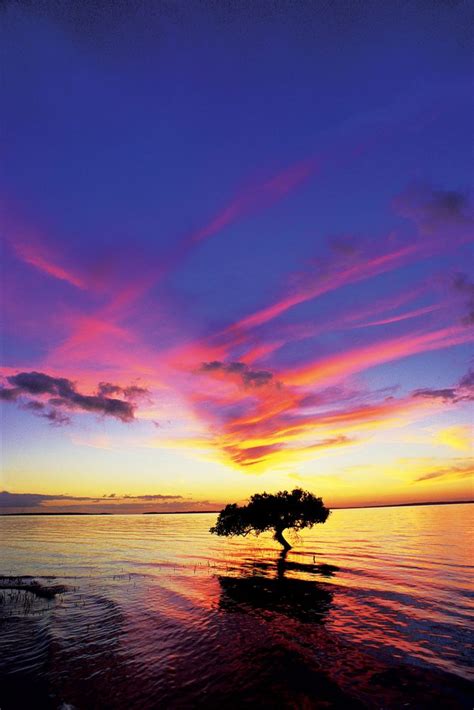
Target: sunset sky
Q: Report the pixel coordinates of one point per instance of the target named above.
(237, 253)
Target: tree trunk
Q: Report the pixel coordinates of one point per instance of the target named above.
(279, 538)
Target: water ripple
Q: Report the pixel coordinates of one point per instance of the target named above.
(158, 613)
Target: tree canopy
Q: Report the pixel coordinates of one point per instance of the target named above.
(280, 511)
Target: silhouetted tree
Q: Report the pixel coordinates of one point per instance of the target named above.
(278, 512)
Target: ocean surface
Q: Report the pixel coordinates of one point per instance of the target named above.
(372, 609)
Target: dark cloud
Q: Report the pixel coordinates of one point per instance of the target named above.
(448, 204)
(40, 383)
(19, 500)
(257, 378)
(463, 285)
(448, 394)
(156, 496)
(35, 500)
(9, 394)
(56, 417)
(462, 392)
(133, 392)
(467, 380)
(32, 500)
(250, 378)
(238, 367)
(211, 366)
(100, 405)
(104, 389)
(65, 395)
(35, 406)
(432, 208)
(53, 415)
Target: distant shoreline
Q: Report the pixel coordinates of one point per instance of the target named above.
(204, 512)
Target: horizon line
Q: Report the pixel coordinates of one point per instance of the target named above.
(203, 512)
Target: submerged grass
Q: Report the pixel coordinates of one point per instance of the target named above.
(29, 584)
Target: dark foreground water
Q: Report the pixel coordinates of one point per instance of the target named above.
(141, 611)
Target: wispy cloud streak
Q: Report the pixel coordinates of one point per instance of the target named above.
(37, 255)
(356, 360)
(260, 196)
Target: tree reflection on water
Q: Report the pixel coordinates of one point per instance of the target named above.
(294, 596)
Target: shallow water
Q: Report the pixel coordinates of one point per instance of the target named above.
(159, 613)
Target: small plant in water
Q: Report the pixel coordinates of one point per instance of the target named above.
(278, 512)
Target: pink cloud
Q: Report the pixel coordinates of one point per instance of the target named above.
(258, 197)
(37, 256)
(341, 365)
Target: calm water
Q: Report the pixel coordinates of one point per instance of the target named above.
(159, 613)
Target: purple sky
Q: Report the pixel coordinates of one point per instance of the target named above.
(236, 245)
